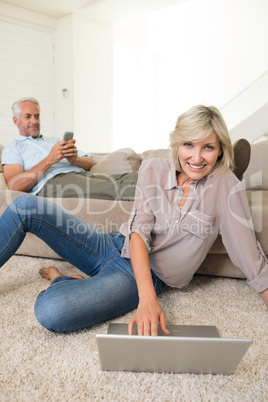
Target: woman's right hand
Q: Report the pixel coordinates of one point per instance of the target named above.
(149, 314)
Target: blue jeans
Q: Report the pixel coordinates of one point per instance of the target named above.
(71, 304)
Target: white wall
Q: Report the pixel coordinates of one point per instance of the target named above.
(84, 68)
(200, 51)
(26, 66)
(247, 113)
(64, 76)
(84, 83)
(21, 14)
(93, 83)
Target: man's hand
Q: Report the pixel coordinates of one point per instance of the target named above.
(62, 149)
(148, 314)
(69, 151)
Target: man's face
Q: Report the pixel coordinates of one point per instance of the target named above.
(28, 122)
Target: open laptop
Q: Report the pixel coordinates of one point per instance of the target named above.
(188, 349)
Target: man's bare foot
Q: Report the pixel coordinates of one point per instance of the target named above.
(52, 273)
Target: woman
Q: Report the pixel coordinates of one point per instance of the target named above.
(180, 208)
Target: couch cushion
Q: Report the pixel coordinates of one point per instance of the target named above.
(1, 147)
(3, 183)
(156, 153)
(220, 265)
(256, 175)
(124, 160)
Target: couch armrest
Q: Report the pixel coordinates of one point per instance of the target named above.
(3, 183)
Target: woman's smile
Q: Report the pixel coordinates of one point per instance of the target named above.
(198, 158)
(194, 167)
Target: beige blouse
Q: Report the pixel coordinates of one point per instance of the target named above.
(178, 238)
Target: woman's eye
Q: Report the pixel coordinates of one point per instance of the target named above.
(187, 144)
(209, 147)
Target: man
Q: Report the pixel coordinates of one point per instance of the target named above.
(51, 167)
(31, 160)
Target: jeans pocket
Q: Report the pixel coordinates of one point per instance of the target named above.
(118, 239)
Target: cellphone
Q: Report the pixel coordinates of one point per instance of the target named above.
(68, 135)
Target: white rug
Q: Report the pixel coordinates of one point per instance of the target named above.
(36, 365)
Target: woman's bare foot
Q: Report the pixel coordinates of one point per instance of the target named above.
(52, 273)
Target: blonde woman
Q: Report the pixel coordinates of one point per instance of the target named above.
(181, 206)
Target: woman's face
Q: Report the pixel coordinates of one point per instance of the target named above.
(197, 158)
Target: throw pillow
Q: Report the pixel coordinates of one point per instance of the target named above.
(124, 160)
(156, 153)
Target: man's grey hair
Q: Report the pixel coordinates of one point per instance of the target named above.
(16, 109)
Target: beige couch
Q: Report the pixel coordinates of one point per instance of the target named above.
(109, 215)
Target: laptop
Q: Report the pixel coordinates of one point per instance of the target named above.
(188, 349)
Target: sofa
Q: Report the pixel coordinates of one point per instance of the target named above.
(109, 215)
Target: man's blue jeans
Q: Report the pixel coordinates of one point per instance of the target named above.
(71, 304)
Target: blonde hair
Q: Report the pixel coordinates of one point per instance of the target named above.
(197, 123)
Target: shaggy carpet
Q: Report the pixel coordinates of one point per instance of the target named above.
(36, 365)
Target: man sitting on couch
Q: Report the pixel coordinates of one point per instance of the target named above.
(52, 167)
